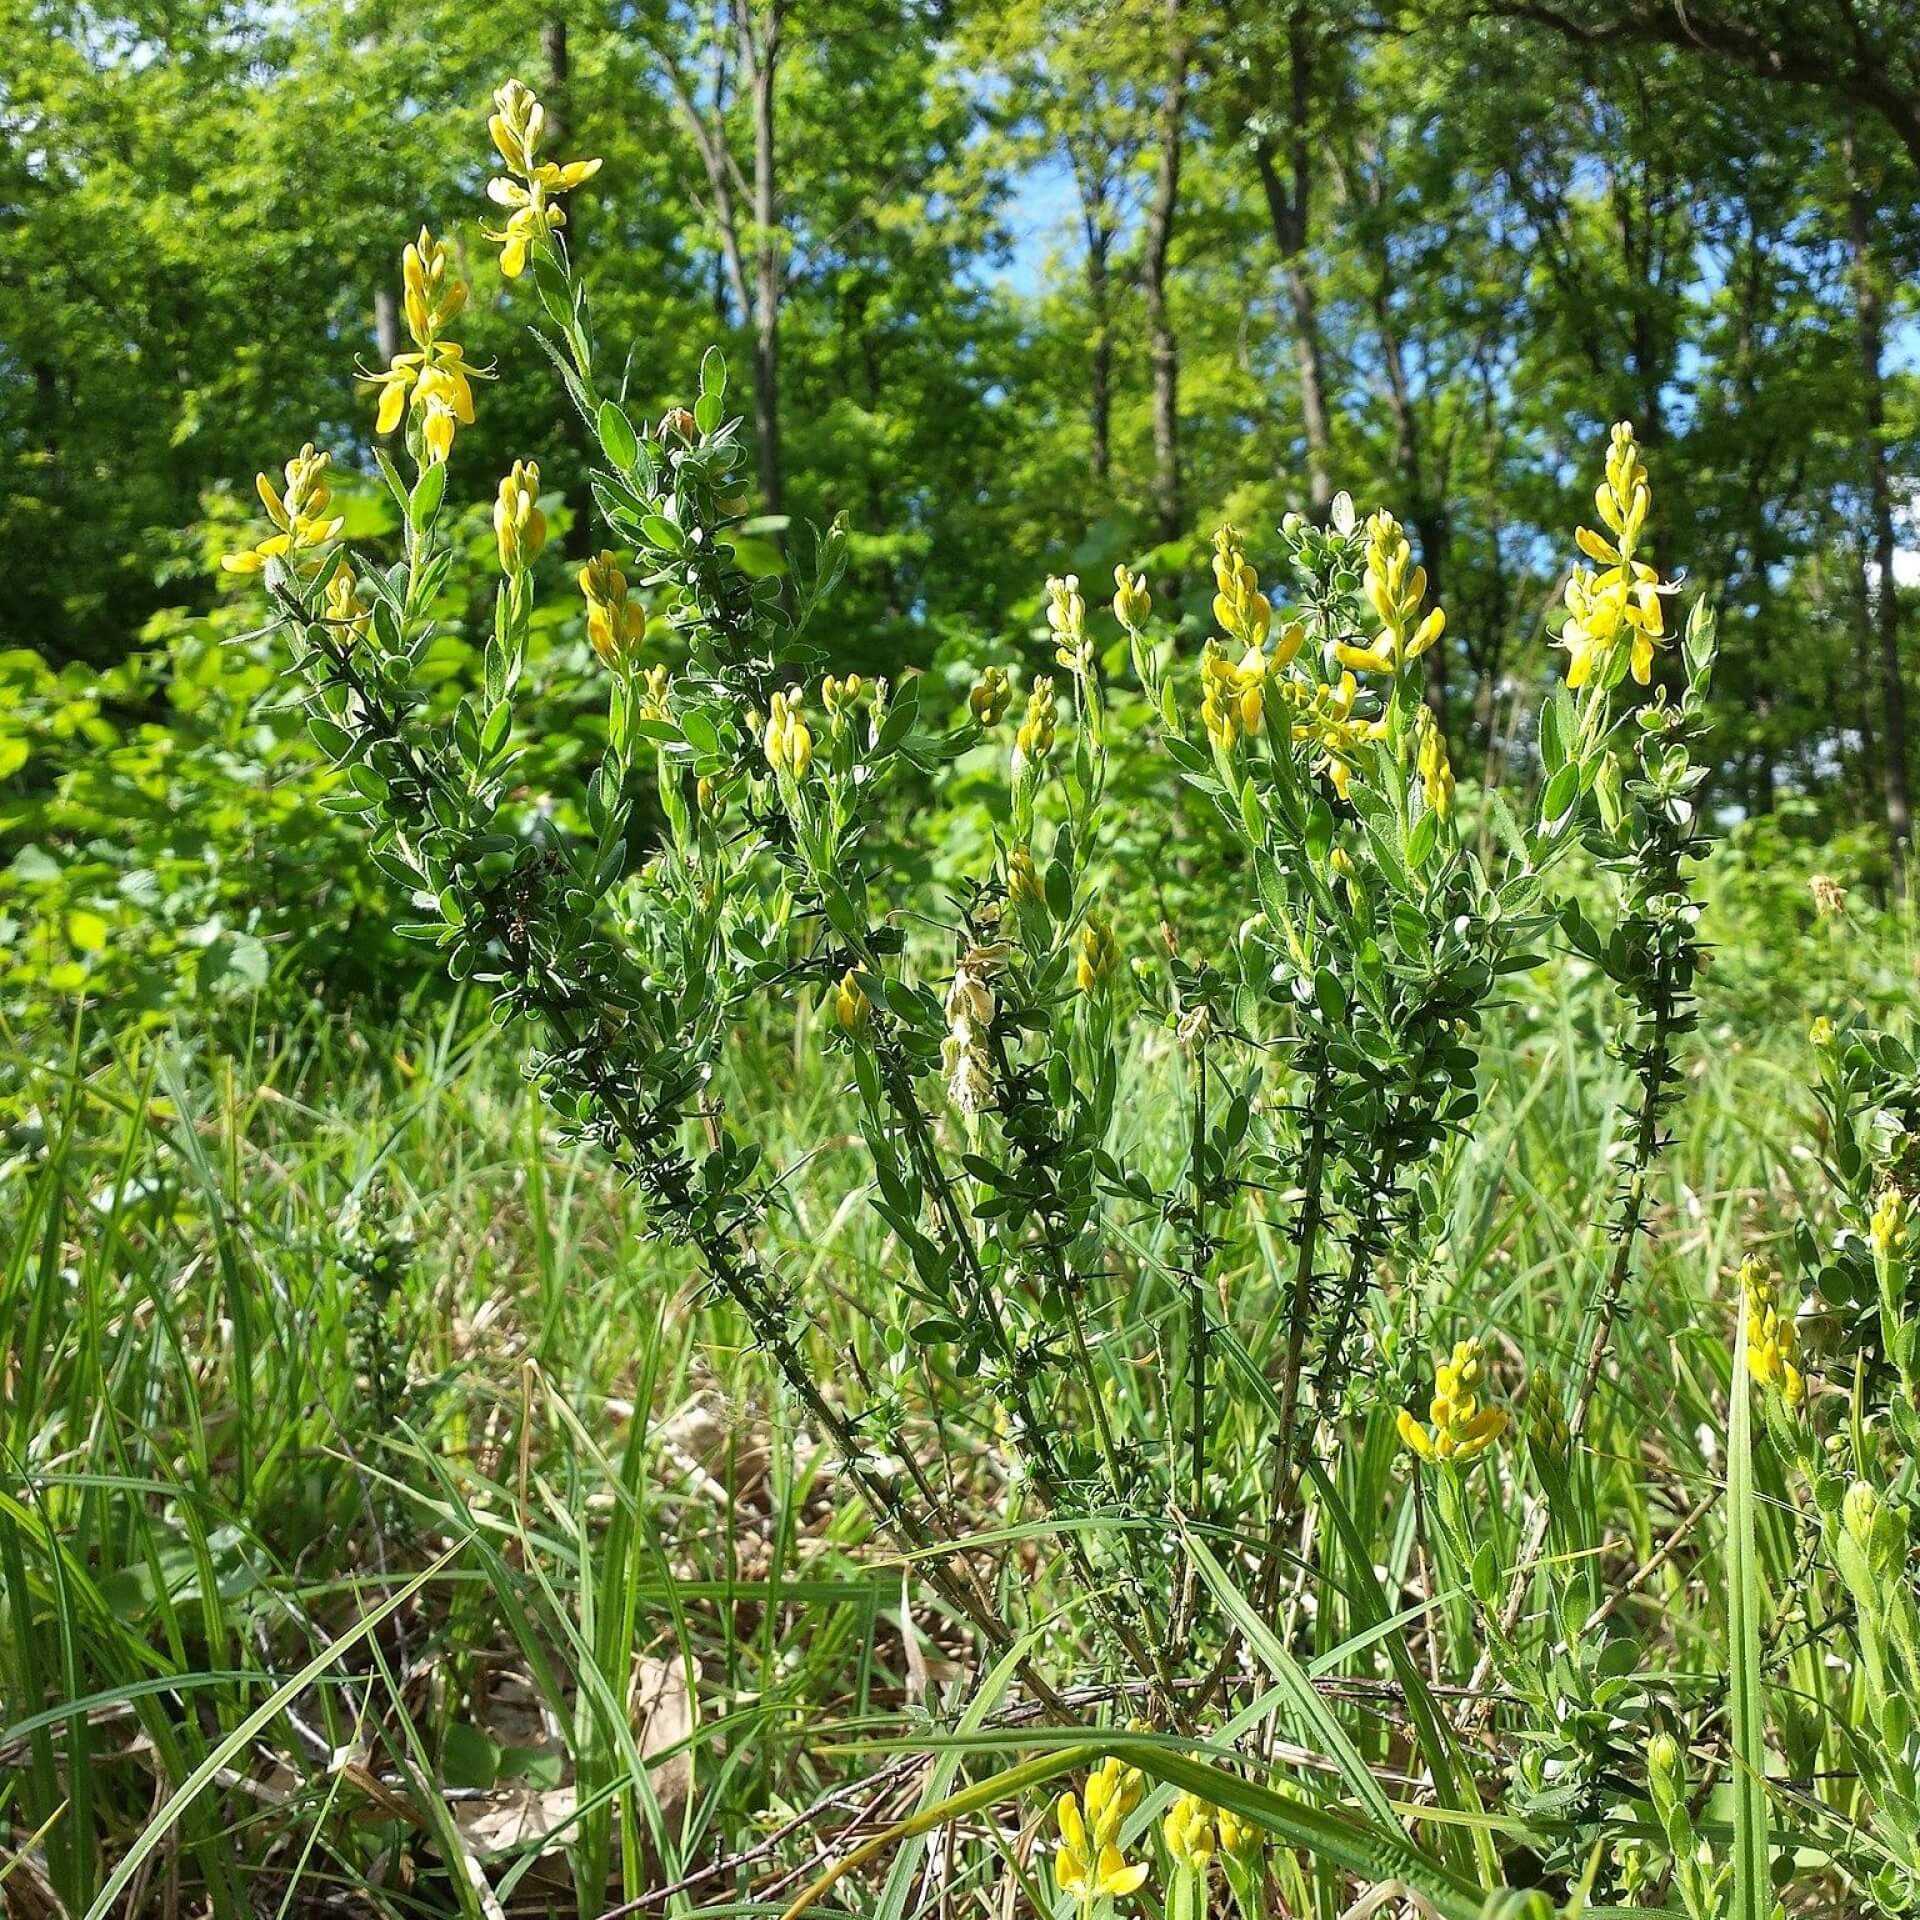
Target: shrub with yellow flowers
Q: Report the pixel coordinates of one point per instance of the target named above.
(1046, 1251)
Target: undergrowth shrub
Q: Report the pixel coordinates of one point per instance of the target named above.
(1055, 1257)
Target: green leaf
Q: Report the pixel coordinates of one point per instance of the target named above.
(617, 438)
(1752, 1882)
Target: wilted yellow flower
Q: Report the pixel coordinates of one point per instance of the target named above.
(1773, 1343)
(299, 515)
(1099, 954)
(1829, 896)
(518, 125)
(1394, 588)
(1034, 741)
(969, 1009)
(519, 526)
(1242, 611)
(1461, 1426)
(615, 624)
(850, 1006)
(788, 741)
(1190, 1833)
(1623, 601)
(1132, 603)
(1436, 771)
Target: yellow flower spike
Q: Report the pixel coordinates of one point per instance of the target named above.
(519, 527)
(1623, 600)
(1241, 610)
(1067, 622)
(1034, 741)
(1189, 1832)
(615, 624)
(988, 698)
(298, 515)
(1023, 880)
(1241, 1838)
(1773, 1342)
(1099, 957)
(1460, 1426)
(788, 740)
(1889, 1225)
(528, 188)
(1436, 771)
(1132, 603)
(1394, 589)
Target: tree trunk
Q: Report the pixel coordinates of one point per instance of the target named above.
(1162, 345)
(1886, 602)
(763, 60)
(1288, 211)
(558, 101)
(1100, 360)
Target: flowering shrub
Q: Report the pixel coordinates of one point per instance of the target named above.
(1051, 1252)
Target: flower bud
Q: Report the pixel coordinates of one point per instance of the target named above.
(1132, 603)
(519, 527)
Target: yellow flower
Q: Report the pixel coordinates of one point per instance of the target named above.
(347, 614)
(1461, 1427)
(1889, 1225)
(1242, 611)
(788, 740)
(1241, 1838)
(840, 696)
(432, 296)
(989, 696)
(519, 526)
(1034, 741)
(1624, 599)
(1023, 882)
(1436, 771)
(299, 515)
(528, 188)
(1394, 589)
(1190, 1832)
(850, 1007)
(1820, 1034)
(436, 379)
(1132, 603)
(1086, 1867)
(1773, 1343)
(1067, 622)
(1231, 701)
(615, 624)
(1099, 954)
(654, 683)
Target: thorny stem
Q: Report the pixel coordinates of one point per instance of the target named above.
(724, 1263)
